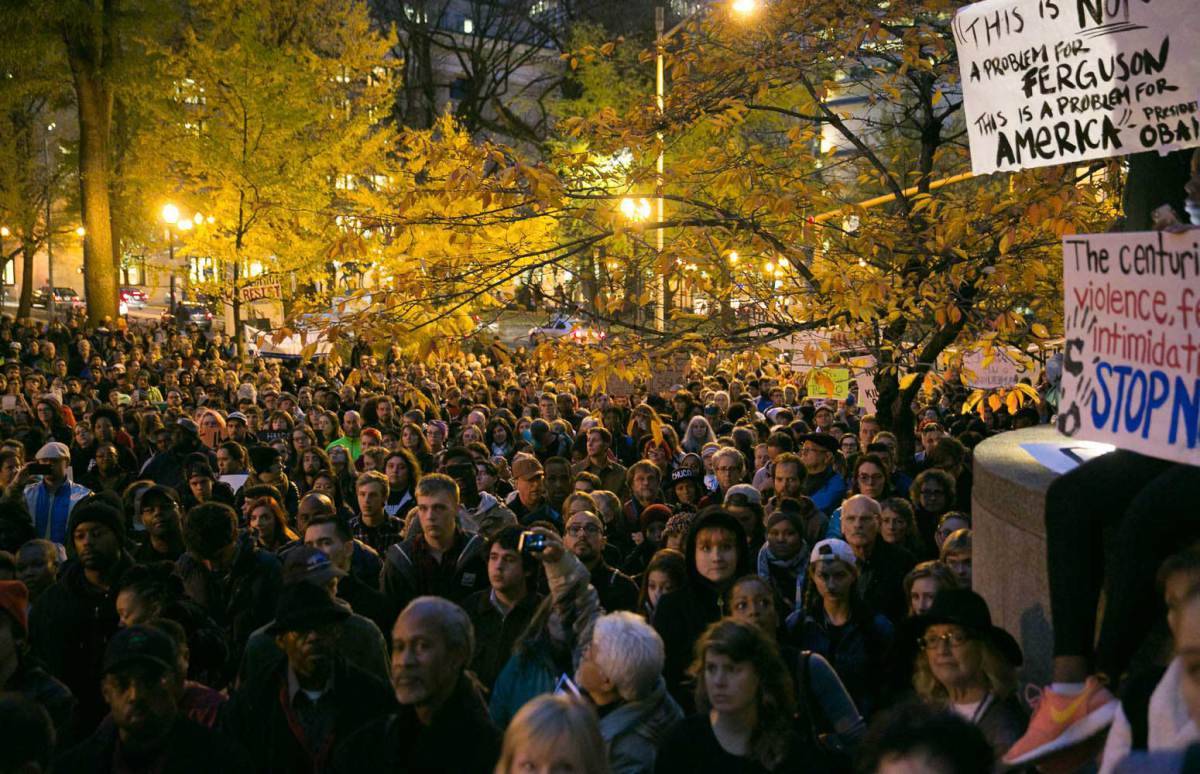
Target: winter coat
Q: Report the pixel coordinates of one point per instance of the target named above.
(190, 748)
(69, 628)
(36, 684)
(55, 532)
(256, 716)
(403, 580)
(633, 731)
(496, 633)
(241, 600)
(682, 616)
(460, 740)
(858, 652)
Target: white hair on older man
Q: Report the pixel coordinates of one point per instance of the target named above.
(629, 652)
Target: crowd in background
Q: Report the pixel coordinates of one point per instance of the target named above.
(464, 564)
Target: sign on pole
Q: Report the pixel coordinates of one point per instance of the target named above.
(1002, 367)
(828, 383)
(1131, 365)
(1059, 81)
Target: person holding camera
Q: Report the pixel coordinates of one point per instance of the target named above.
(51, 500)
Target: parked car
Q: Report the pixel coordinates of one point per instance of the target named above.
(64, 298)
(561, 325)
(195, 314)
(134, 298)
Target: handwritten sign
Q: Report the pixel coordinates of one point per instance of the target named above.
(863, 368)
(260, 291)
(1058, 81)
(828, 383)
(1131, 366)
(1002, 367)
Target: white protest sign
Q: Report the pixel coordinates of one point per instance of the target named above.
(1005, 367)
(864, 375)
(1058, 81)
(1131, 365)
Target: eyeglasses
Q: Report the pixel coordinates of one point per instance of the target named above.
(953, 639)
(576, 530)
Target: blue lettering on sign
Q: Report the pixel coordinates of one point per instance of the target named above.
(1127, 399)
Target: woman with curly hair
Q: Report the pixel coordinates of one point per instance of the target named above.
(745, 704)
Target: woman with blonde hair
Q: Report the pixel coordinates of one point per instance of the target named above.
(554, 732)
(967, 665)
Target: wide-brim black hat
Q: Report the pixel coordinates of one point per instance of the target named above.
(824, 440)
(965, 608)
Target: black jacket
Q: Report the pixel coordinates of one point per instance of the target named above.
(461, 740)
(616, 590)
(403, 580)
(496, 634)
(189, 749)
(881, 579)
(241, 601)
(256, 717)
(69, 628)
(36, 684)
(367, 601)
(682, 616)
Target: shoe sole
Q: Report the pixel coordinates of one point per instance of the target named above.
(1095, 722)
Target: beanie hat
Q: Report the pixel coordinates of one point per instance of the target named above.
(792, 517)
(14, 600)
(96, 509)
(655, 513)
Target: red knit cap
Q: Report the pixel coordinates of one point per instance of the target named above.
(652, 513)
(14, 600)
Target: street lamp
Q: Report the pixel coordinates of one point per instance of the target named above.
(170, 216)
(739, 8)
(4, 234)
(49, 232)
(636, 210)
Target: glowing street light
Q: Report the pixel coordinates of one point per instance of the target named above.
(197, 219)
(80, 231)
(744, 7)
(733, 256)
(636, 209)
(170, 214)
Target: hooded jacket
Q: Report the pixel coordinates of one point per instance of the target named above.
(682, 616)
(241, 600)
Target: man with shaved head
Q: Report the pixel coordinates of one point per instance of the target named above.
(443, 723)
(351, 439)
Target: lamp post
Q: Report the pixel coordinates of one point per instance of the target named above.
(49, 231)
(4, 234)
(740, 8)
(170, 216)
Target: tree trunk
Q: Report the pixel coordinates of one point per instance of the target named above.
(94, 101)
(25, 302)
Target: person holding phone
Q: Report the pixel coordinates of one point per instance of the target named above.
(51, 500)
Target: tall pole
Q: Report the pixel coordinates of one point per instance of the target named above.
(660, 271)
(171, 264)
(3, 265)
(49, 231)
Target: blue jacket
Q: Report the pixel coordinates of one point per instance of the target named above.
(53, 526)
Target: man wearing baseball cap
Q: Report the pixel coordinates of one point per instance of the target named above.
(160, 513)
(142, 686)
(51, 500)
(528, 500)
(292, 716)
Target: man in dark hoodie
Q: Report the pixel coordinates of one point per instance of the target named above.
(74, 619)
(717, 555)
(222, 571)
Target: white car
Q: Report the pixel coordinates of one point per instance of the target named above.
(562, 325)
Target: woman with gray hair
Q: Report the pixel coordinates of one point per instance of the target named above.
(621, 672)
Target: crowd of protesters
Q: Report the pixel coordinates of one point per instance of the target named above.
(464, 565)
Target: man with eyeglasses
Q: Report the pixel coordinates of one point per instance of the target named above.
(585, 538)
(822, 483)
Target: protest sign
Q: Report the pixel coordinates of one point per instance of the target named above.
(1001, 367)
(1131, 366)
(864, 374)
(828, 383)
(1058, 81)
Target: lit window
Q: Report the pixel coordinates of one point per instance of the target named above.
(468, 26)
